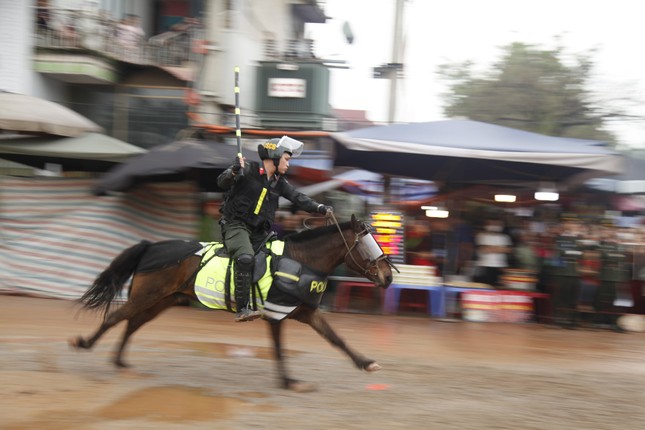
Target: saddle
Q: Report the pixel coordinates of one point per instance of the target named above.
(260, 263)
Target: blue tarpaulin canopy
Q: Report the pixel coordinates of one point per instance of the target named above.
(370, 186)
(464, 151)
(630, 181)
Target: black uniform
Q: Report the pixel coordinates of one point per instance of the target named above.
(251, 202)
(253, 199)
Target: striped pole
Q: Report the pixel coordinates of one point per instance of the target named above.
(238, 130)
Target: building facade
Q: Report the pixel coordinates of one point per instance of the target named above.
(146, 70)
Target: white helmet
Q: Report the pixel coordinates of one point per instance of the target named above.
(273, 149)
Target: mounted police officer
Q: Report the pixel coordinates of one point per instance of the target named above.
(251, 201)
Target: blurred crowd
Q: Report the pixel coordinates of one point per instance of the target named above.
(593, 270)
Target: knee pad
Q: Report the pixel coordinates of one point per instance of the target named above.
(244, 261)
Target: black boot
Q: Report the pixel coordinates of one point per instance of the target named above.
(243, 281)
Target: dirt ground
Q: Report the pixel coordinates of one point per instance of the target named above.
(196, 369)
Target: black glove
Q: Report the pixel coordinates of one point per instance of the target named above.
(325, 210)
(237, 166)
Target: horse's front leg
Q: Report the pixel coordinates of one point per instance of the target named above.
(315, 319)
(286, 382)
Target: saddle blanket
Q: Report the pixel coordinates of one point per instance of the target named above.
(213, 289)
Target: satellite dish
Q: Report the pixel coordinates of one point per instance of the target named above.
(348, 33)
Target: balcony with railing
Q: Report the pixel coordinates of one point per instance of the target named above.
(65, 36)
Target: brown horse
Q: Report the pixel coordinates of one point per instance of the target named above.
(151, 292)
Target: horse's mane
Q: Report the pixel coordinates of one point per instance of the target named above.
(307, 235)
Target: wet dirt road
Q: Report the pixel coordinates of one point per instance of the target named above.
(196, 369)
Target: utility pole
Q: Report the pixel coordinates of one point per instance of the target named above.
(396, 59)
(392, 70)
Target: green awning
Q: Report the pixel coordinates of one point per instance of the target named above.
(88, 152)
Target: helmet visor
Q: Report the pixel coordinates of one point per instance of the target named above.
(291, 145)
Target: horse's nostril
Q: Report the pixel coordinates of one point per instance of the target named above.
(389, 279)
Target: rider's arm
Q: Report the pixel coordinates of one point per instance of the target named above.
(226, 179)
(299, 199)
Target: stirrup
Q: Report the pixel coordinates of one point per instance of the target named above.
(247, 314)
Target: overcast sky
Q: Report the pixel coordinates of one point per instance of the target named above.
(449, 31)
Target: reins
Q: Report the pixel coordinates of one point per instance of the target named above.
(370, 264)
(335, 222)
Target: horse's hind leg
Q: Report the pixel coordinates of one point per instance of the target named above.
(135, 322)
(150, 293)
(113, 318)
(143, 295)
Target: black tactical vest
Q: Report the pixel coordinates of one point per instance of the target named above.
(252, 199)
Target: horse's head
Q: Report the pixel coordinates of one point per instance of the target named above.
(366, 257)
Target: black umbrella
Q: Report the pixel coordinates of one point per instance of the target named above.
(189, 159)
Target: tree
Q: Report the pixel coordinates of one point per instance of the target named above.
(530, 89)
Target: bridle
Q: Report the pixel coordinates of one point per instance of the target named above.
(371, 269)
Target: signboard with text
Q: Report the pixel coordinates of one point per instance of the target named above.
(287, 87)
(389, 233)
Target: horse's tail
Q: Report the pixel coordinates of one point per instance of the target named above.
(110, 282)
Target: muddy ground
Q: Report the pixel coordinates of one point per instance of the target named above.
(196, 369)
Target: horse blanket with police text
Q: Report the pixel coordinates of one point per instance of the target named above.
(279, 287)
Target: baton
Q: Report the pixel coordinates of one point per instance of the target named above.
(238, 130)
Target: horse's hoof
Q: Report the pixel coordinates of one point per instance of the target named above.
(121, 364)
(302, 387)
(76, 342)
(373, 367)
